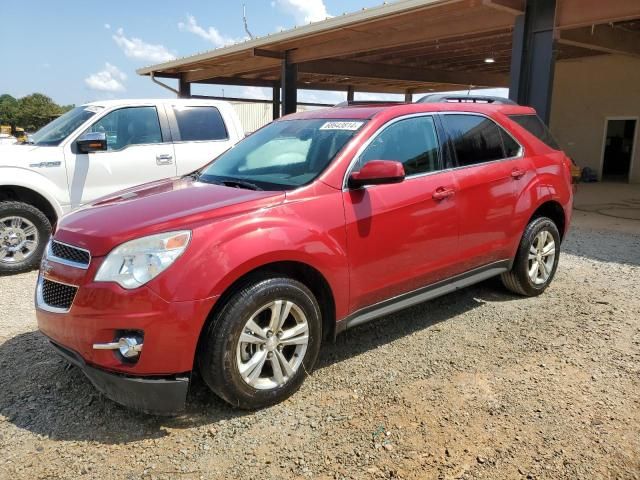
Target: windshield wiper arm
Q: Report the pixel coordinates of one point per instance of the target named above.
(241, 184)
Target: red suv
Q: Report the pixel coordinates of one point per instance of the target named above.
(316, 223)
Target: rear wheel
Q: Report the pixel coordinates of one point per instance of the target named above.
(262, 344)
(536, 260)
(24, 232)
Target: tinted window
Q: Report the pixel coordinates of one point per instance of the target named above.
(475, 139)
(129, 126)
(511, 147)
(412, 141)
(534, 125)
(200, 123)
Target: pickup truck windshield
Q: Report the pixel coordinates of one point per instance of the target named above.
(283, 155)
(53, 133)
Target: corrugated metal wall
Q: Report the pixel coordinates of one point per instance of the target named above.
(255, 115)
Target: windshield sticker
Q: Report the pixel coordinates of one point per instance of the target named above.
(351, 126)
(93, 108)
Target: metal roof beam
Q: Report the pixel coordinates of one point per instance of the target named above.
(603, 38)
(348, 68)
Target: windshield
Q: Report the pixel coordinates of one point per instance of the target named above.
(53, 133)
(283, 155)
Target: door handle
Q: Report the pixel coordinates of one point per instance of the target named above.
(442, 193)
(518, 173)
(164, 159)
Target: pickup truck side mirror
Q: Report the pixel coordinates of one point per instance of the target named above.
(92, 142)
(377, 172)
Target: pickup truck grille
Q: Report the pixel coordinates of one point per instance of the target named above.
(67, 254)
(58, 295)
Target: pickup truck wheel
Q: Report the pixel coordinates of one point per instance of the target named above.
(536, 260)
(24, 233)
(262, 344)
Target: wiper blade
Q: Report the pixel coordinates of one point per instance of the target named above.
(240, 184)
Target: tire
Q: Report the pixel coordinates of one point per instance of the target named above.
(223, 354)
(21, 222)
(524, 278)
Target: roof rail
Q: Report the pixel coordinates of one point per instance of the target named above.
(444, 98)
(350, 103)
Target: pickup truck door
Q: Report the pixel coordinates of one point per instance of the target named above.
(139, 150)
(200, 133)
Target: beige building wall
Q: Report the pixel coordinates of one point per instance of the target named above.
(587, 91)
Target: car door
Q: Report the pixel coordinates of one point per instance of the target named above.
(139, 150)
(401, 236)
(199, 133)
(488, 168)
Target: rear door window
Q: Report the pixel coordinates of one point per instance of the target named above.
(200, 123)
(477, 139)
(537, 128)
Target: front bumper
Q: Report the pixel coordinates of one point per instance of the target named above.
(158, 396)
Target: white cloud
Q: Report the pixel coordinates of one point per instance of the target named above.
(211, 34)
(140, 50)
(107, 26)
(304, 11)
(108, 80)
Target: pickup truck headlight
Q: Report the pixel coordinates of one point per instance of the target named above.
(135, 263)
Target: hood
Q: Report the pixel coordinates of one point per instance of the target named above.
(21, 155)
(167, 205)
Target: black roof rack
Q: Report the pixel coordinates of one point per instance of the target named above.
(351, 103)
(444, 98)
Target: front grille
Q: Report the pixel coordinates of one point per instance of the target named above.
(71, 254)
(58, 295)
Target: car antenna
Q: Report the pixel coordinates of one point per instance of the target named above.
(244, 20)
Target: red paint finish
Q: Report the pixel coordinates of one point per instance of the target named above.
(369, 244)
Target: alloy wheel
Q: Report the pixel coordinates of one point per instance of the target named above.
(542, 254)
(272, 345)
(18, 239)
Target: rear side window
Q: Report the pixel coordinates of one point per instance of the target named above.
(412, 142)
(537, 128)
(200, 123)
(475, 139)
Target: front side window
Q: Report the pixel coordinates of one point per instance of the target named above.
(52, 134)
(283, 155)
(200, 123)
(475, 139)
(412, 142)
(129, 126)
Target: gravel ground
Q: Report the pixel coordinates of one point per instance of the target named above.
(476, 384)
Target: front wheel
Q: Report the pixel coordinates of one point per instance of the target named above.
(262, 344)
(536, 260)
(24, 232)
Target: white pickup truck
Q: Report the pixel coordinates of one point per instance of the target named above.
(97, 149)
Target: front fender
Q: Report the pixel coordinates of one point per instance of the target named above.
(222, 252)
(39, 183)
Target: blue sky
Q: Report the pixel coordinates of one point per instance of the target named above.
(78, 51)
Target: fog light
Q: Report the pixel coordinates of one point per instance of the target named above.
(129, 347)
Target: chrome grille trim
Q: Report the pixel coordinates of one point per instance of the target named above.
(40, 302)
(72, 252)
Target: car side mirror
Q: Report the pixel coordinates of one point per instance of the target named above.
(377, 172)
(92, 142)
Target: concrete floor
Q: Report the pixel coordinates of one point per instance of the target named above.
(608, 206)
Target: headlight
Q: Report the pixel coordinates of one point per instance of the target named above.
(135, 263)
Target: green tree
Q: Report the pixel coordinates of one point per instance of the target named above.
(8, 109)
(36, 110)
